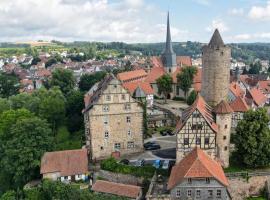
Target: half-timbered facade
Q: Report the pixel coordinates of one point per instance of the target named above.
(196, 128)
(239, 107)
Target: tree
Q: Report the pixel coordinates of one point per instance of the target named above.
(52, 106)
(25, 100)
(192, 97)
(253, 139)
(9, 85)
(164, 84)
(88, 80)
(64, 79)
(35, 60)
(74, 107)
(28, 140)
(23, 140)
(255, 68)
(4, 105)
(9, 195)
(185, 78)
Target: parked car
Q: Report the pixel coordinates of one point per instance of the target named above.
(166, 164)
(149, 143)
(139, 163)
(152, 147)
(170, 132)
(124, 161)
(157, 164)
(163, 133)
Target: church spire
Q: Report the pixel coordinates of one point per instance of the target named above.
(168, 48)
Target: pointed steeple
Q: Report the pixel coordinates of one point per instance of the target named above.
(168, 48)
(216, 40)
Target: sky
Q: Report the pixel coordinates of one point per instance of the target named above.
(134, 21)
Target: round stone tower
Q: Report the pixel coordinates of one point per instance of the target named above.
(216, 58)
(224, 121)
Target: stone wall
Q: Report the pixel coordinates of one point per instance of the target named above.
(215, 74)
(119, 178)
(240, 188)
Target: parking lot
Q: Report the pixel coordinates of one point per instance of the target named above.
(166, 152)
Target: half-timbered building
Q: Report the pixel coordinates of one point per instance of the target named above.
(239, 107)
(197, 128)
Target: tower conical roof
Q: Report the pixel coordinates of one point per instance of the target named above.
(216, 40)
(168, 48)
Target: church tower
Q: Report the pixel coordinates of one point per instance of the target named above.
(216, 58)
(168, 56)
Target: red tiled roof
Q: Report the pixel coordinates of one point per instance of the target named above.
(43, 72)
(258, 97)
(264, 86)
(239, 105)
(184, 60)
(197, 164)
(223, 108)
(236, 89)
(124, 190)
(132, 75)
(156, 61)
(154, 74)
(204, 109)
(67, 163)
(145, 86)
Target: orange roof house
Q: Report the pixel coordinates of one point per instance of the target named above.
(264, 86)
(123, 190)
(197, 164)
(145, 86)
(257, 96)
(204, 109)
(239, 105)
(132, 75)
(236, 90)
(65, 163)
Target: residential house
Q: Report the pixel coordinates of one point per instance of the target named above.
(255, 98)
(264, 86)
(143, 88)
(113, 120)
(198, 176)
(239, 107)
(132, 76)
(66, 166)
(235, 91)
(196, 128)
(118, 189)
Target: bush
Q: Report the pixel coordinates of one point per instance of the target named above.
(147, 171)
(192, 97)
(179, 99)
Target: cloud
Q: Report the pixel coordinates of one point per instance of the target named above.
(236, 11)
(203, 2)
(89, 20)
(217, 24)
(255, 36)
(260, 13)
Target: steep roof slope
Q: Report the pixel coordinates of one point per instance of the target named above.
(197, 164)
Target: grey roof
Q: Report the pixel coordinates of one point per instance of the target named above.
(168, 48)
(98, 90)
(139, 93)
(216, 40)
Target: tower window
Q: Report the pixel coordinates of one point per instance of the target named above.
(170, 70)
(224, 137)
(226, 126)
(106, 134)
(222, 53)
(225, 148)
(128, 119)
